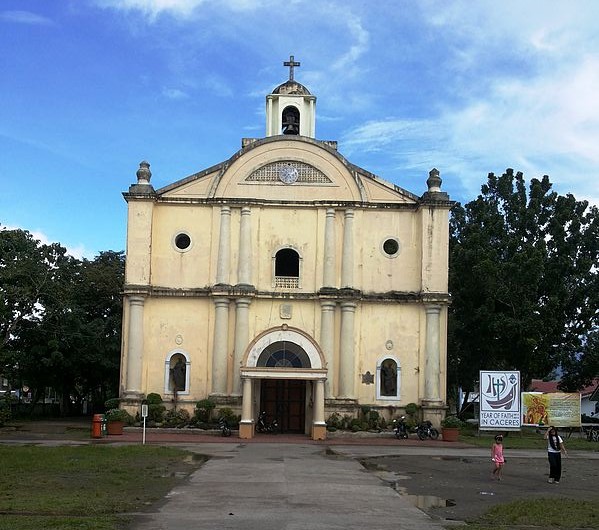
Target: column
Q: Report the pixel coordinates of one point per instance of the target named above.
(224, 247)
(220, 346)
(433, 354)
(244, 267)
(136, 344)
(328, 272)
(269, 116)
(347, 258)
(242, 325)
(246, 425)
(327, 341)
(346, 355)
(319, 427)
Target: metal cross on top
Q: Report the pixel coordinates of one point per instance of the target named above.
(291, 63)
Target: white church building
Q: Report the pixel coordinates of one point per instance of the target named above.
(288, 280)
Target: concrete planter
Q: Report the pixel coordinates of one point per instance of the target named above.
(115, 427)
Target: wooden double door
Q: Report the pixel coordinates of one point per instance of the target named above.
(285, 400)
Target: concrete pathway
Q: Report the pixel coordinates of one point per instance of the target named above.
(282, 487)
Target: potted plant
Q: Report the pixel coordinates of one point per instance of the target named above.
(450, 428)
(115, 420)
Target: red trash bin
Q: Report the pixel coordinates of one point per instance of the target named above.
(97, 426)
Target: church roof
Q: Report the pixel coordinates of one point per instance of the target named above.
(291, 87)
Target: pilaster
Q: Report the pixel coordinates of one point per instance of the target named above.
(220, 346)
(347, 351)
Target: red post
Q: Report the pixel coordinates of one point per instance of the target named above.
(97, 426)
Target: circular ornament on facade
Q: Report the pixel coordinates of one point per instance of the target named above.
(288, 174)
(391, 247)
(182, 242)
(389, 344)
(179, 339)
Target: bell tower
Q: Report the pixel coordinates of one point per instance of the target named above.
(290, 108)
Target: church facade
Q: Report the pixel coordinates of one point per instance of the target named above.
(287, 280)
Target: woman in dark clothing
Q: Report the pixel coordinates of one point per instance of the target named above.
(555, 448)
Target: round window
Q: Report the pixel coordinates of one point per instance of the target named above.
(391, 247)
(182, 241)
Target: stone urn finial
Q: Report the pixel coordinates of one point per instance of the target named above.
(434, 181)
(143, 173)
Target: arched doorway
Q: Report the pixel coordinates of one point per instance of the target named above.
(284, 376)
(284, 399)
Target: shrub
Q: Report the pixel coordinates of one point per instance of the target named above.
(176, 418)
(411, 409)
(334, 422)
(356, 425)
(156, 413)
(227, 413)
(112, 403)
(452, 422)
(118, 415)
(373, 419)
(204, 409)
(153, 399)
(5, 414)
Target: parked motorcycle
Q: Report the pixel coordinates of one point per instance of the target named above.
(426, 430)
(400, 428)
(263, 425)
(223, 425)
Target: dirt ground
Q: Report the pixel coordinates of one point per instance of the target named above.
(462, 489)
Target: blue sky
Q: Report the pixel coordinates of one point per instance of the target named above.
(89, 88)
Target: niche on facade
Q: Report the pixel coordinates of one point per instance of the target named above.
(176, 373)
(388, 379)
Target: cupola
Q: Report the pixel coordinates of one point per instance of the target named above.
(290, 108)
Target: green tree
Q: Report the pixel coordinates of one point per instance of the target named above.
(26, 280)
(524, 282)
(60, 319)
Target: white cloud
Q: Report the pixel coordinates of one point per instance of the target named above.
(153, 8)
(174, 93)
(183, 9)
(78, 251)
(25, 17)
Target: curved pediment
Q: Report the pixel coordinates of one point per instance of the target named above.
(287, 169)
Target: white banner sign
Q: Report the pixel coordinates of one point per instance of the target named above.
(500, 401)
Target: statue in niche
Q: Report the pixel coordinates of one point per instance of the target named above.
(178, 374)
(389, 378)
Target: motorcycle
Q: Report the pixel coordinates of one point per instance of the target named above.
(223, 425)
(401, 429)
(426, 430)
(262, 425)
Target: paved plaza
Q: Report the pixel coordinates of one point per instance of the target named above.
(347, 482)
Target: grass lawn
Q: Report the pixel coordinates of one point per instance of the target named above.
(562, 514)
(526, 439)
(85, 487)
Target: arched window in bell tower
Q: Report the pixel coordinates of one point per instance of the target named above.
(291, 120)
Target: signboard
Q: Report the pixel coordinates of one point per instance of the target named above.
(500, 401)
(557, 409)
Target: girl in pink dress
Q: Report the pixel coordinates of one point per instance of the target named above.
(497, 456)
